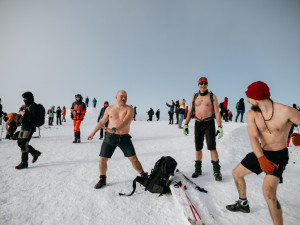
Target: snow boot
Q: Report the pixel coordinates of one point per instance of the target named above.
(239, 207)
(22, 165)
(101, 183)
(78, 137)
(198, 170)
(36, 156)
(75, 135)
(217, 172)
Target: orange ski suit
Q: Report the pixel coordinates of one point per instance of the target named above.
(78, 111)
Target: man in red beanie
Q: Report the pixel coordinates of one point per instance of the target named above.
(268, 126)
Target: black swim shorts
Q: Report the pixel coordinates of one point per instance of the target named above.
(280, 158)
(208, 129)
(112, 141)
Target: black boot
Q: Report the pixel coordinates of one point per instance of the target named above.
(101, 183)
(75, 135)
(22, 165)
(78, 137)
(198, 169)
(217, 172)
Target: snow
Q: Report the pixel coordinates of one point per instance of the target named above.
(59, 187)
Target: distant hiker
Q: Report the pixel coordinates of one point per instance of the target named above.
(268, 125)
(11, 120)
(94, 102)
(157, 114)
(225, 110)
(204, 107)
(134, 112)
(51, 115)
(64, 111)
(230, 115)
(101, 114)
(1, 112)
(177, 111)
(58, 115)
(171, 111)
(150, 114)
(292, 129)
(28, 127)
(181, 113)
(78, 110)
(87, 101)
(120, 116)
(240, 109)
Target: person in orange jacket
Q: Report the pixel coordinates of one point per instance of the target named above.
(10, 124)
(64, 114)
(78, 111)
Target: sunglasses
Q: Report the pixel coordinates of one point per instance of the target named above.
(204, 82)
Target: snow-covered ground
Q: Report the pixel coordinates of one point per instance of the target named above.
(59, 187)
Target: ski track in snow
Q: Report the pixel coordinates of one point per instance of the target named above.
(59, 187)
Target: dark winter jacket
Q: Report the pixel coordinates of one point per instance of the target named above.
(58, 113)
(240, 105)
(171, 107)
(151, 112)
(1, 112)
(28, 120)
(101, 114)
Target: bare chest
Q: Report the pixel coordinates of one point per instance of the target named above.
(117, 114)
(203, 102)
(276, 126)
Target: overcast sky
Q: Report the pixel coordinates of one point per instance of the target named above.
(155, 50)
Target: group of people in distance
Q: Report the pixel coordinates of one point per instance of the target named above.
(268, 125)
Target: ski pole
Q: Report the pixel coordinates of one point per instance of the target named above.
(192, 207)
(196, 186)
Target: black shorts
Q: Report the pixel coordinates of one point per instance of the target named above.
(280, 158)
(112, 141)
(208, 129)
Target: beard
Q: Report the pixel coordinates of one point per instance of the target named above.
(255, 108)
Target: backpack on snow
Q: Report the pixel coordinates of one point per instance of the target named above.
(40, 115)
(158, 180)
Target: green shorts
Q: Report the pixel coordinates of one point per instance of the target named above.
(112, 141)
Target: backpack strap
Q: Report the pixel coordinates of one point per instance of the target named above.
(211, 95)
(193, 104)
(138, 179)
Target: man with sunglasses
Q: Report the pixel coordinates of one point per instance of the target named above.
(204, 108)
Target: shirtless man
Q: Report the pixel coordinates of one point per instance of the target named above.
(120, 116)
(204, 106)
(268, 126)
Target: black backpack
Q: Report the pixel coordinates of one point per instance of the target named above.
(158, 181)
(40, 115)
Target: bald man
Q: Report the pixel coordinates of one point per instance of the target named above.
(120, 116)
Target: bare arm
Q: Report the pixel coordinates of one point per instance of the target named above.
(100, 124)
(294, 116)
(127, 120)
(253, 134)
(189, 114)
(217, 113)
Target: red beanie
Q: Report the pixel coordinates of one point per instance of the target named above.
(258, 91)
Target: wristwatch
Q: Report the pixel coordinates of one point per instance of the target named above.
(114, 129)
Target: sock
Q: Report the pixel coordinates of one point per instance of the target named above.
(243, 201)
(103, 176)
(142, 174)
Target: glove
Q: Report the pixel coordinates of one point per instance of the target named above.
(296, 139)
(220, 132)
(185, 129)
(266, 165)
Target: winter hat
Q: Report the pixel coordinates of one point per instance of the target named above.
(106, 102)
(203, 79)
(258, 91)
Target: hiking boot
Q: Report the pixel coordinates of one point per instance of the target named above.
(238, 207)
(36, 157)
(101, 183)
(22, 165)
(198, 169)
(218, 176)
(196, 174)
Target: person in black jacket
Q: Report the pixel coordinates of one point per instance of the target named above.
(58, 115)
(157, 114)
(1, 112)
(106, 104)
(150, 114)
(28, 127)
(240, 108)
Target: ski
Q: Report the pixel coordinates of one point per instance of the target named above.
(193, 183)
